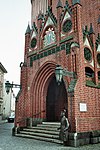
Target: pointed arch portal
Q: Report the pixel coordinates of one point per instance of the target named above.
(48, 98)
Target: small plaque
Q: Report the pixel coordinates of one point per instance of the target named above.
(83, 107)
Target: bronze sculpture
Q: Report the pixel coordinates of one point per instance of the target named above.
(63, 134)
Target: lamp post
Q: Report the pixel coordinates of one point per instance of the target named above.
(9, 86)
(60, 72)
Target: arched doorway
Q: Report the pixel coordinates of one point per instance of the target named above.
(56, 100)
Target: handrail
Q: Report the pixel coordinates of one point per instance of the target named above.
(38, 113)
(31, 116)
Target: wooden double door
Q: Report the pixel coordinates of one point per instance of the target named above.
(56, 100)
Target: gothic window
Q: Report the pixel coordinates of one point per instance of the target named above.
(87, 54)
(89, 72)
(49, 37)
(98, 58)
(67, 26)
(98, 75)
(33, 43)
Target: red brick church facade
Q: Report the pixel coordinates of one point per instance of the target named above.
(65, 33)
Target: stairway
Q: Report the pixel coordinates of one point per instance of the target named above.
(47, 131)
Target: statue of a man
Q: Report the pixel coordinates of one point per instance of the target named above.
(63, 134)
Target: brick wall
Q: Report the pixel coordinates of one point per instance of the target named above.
(35, 79)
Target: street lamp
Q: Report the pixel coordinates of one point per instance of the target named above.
(60, 72)
(9, 86)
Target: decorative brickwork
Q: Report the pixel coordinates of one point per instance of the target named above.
(66, 35)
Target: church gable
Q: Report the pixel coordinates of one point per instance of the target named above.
(66, 16)
(48, 29)
(88, 53)
(33, 41)
(33, 34)
(49, 19)
(35, 29)
(86, 42)
(66, 20)
(66, 25)
(87, 36)
(48, 22)
(98, 48)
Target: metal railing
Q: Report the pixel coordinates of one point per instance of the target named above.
(25, 119)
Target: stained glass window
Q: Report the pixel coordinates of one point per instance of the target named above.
(98, 58)
(33, 42)
(87, 54)
(67, 26)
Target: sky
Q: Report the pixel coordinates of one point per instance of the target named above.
(14, 18)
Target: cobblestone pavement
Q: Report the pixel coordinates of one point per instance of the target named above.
(9, 142)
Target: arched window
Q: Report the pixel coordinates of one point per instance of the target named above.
(98, 75)
(98, 58)
(33, 42)
(87, 54)
(89, 72)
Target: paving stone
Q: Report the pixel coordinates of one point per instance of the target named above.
(9, 142)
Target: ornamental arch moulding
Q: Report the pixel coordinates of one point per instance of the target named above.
(41, 78)
(41, 89)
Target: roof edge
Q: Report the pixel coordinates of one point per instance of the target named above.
(2, 68)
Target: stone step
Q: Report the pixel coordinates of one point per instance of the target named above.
(40, 127)
(46, 131)
(40, 134)
(41, 130)
(49, 125)
(40, 138)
